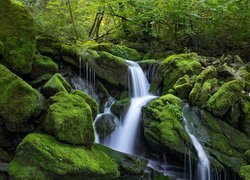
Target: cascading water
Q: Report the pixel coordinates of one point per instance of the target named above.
(127, 134)
(203, 168)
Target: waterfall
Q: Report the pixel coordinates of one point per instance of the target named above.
(125, 137)
(203, 168)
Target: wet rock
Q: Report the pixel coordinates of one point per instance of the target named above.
(105, 124)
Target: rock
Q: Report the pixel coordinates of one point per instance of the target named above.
(91, 102)
(3, 176)
(40, 156)
(226, 72)
(41, 80)
(56, 84)
(245, 172)
(208, 73)
(110, 70)
(201, 92)
(121, 106)
(225, 98)
(70, 119)
(105, 125)
(19, 43)
(117, 50)
(247, 155)
(246, 116)
(129, 165)
(183, 87)
(5, 156)
(173, 68)
(43, 65)
(226, 144)
(18, 100)
(5, 137)
(245, 74)
(163, 130)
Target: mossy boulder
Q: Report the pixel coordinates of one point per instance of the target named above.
(40, 156)
(117, 50)
(201, 92)
(48, 45)
(17, 32)
(55, 84)
(18, 100)
(120, 106)
(173, 68)
(109, 69)
(105, 125)
(91, 102)
(43, 65)
(245, 172)
(245, 74)
(183, 87)
(246, 115)
(225, 99)
(163, 129)
(226, 144)
(70, 119)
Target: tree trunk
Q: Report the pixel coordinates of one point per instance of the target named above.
(72, 19)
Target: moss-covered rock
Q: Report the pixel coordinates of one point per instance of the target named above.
(121, 106)
(43, 65)
(246, 115)
(225, 98)
(105, 125)
(70, 119)
(17, 32)
(245, 172)
(18, 100)
(173, 68)
(201, 92)
(55, 84)
(91, 102)
(117, 50)
(40, 156)
(247, 155)
(245, 74)
(226, 144)
(38, 82)
(162, 122)
(183, 87)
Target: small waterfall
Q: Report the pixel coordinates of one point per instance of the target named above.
(88, 73)
(125, 137)
(78, 83)
(203, 168)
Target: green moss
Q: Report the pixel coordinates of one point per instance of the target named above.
(245, 172)
(43, 65)
(208, 73)
(247, 155)
(227, 95)
(105, 125)
(53, 159)
(201, 93)
(41, 80)
(120, 106)
(246, 114)
(56, 84)
(183, 87)
(225, 143)
(128, 165)
(117, 50)
(18, 100)
(246, 77)
(17, 32)
(70, 119)
(173, 68)
(91, 102)
(163, 124)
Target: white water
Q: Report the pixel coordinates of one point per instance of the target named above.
(124, 138)
(203, 168)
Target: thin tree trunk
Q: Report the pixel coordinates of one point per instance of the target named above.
(72, 20)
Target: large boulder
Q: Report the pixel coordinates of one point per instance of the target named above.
(226, 101)
(117, 50)
(55, 84)
(173, 68)
(163, 129)
(105, 124)
(40, 156)
(225, 144)
(43, 65)
(18, 100)
(183, 87)
(17, 32)
(70, 119)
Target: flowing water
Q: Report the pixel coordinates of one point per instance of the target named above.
(203, 168)
(125, 137)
